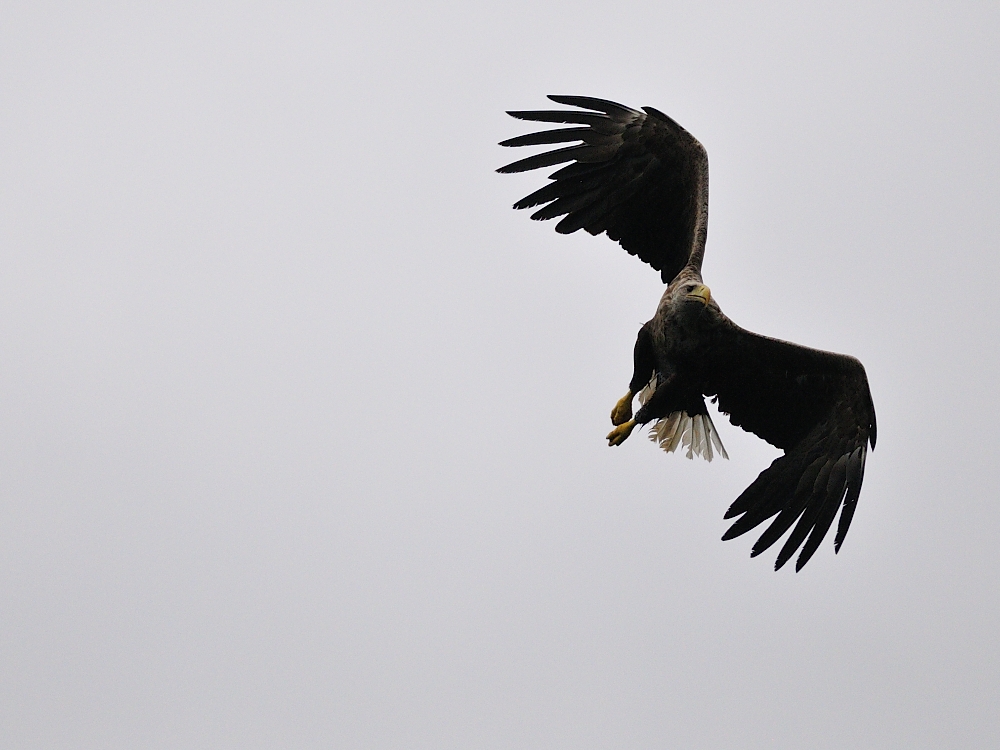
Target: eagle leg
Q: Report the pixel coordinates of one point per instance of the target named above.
(620, 434)
(643, 361)
(623, 410)
(666, 399)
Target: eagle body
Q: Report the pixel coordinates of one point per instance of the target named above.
(682, 327)
(642, 179)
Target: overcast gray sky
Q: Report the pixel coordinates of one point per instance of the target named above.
(301, 427)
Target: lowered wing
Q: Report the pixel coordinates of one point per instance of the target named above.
(818, 408)
(636, 175)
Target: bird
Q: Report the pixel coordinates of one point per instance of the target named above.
(642, 179)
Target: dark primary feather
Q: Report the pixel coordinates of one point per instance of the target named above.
(600, 105)
(587, 135)
(638, 176)
(816, 406)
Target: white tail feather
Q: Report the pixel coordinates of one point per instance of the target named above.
(646, 392)
(697, 433)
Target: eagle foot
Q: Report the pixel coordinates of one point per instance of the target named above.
(622, 412)
(620, 434)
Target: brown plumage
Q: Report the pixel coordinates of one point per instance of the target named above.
(642, 179)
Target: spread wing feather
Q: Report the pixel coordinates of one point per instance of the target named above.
(636, 175)
(817, 407)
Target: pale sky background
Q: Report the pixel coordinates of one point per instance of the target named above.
(301, 427)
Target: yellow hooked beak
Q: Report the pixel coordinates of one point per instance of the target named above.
(701, 292)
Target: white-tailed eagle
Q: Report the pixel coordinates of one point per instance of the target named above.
(642, 179)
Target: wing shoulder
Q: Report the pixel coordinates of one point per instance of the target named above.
(779, 390)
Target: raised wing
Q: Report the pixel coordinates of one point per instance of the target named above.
(817, 407)
(636, 175)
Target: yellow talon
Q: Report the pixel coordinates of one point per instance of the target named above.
(620, 434)
(623, 410)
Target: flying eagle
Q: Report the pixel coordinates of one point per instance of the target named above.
(642, 179)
